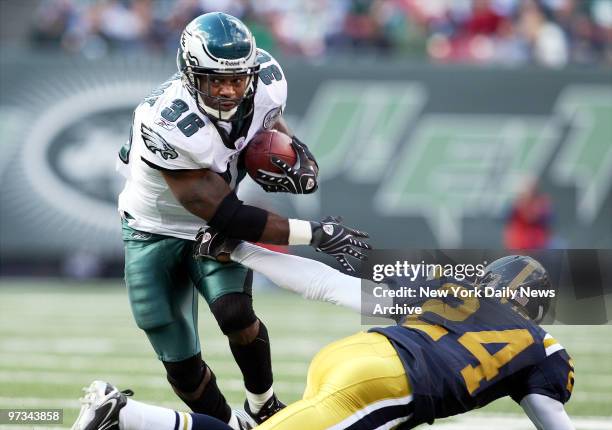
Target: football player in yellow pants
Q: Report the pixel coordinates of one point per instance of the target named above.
(356, 382)
(402, 375)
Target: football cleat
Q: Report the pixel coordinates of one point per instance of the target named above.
(245, 422)
(100, 407)
(272, 406)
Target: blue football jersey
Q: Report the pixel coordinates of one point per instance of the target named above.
(463, 353)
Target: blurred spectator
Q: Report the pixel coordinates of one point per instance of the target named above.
(550, 33)
(546, 39)
(125, 25)
(528, 225)
(52, 21)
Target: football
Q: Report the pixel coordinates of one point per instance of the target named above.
(265, 144)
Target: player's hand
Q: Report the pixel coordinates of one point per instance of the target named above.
(298, 179)
(333, 238)
(211, 244)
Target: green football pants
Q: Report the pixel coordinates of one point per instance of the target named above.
(160, 275)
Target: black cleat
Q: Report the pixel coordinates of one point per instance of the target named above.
(272, 406)
(100, 407)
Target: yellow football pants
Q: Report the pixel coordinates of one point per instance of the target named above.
(357, 382)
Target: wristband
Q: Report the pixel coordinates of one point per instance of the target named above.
(300, 232)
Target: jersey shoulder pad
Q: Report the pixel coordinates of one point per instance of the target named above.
(272, 84)
(168, 87)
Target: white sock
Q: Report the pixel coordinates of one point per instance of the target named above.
(256, 401)
(140, 416)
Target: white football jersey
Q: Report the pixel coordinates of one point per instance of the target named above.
(169, 132)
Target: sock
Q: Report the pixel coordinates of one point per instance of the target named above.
(141, 416)
(255, 362)
(210, 401)
(256, 401)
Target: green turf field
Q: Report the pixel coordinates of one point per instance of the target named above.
(56, 337)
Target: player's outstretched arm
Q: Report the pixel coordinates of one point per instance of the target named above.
(309, 278)
(206, 194)
(546, 413)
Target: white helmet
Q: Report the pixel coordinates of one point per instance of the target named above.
(218, 44)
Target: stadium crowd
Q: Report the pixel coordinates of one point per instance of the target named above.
(512, 32)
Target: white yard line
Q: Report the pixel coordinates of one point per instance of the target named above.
(152, 367)
(138, 366)
(153, 382)
(159, 382)
(469, 421)
(305, 348)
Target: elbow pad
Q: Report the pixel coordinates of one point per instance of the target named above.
(235, 220)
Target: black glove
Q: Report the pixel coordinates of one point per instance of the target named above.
(339, 241)
(211, 244)
(298, 179)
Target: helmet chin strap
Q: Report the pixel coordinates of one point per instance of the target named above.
(225, 115)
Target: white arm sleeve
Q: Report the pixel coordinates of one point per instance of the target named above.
(309, 278)
(546, 413)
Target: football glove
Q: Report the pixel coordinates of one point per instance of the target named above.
(213, 245)
(298, 179)
(339, 241)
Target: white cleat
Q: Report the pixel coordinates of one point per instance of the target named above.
(100, 407)
(245, 422)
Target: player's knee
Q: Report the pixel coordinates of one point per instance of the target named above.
(234, 314)
(187, 376)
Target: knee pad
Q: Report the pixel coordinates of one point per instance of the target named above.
(186, 375)
(233, 312)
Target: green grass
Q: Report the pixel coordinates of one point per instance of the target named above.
(55, 337)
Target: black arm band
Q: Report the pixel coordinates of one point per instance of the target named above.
(235, 220)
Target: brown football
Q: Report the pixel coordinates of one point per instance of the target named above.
(265, 144)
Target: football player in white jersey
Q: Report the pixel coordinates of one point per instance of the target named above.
(182, 165)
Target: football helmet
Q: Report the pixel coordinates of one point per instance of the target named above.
(218, 45)
(514, 272)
